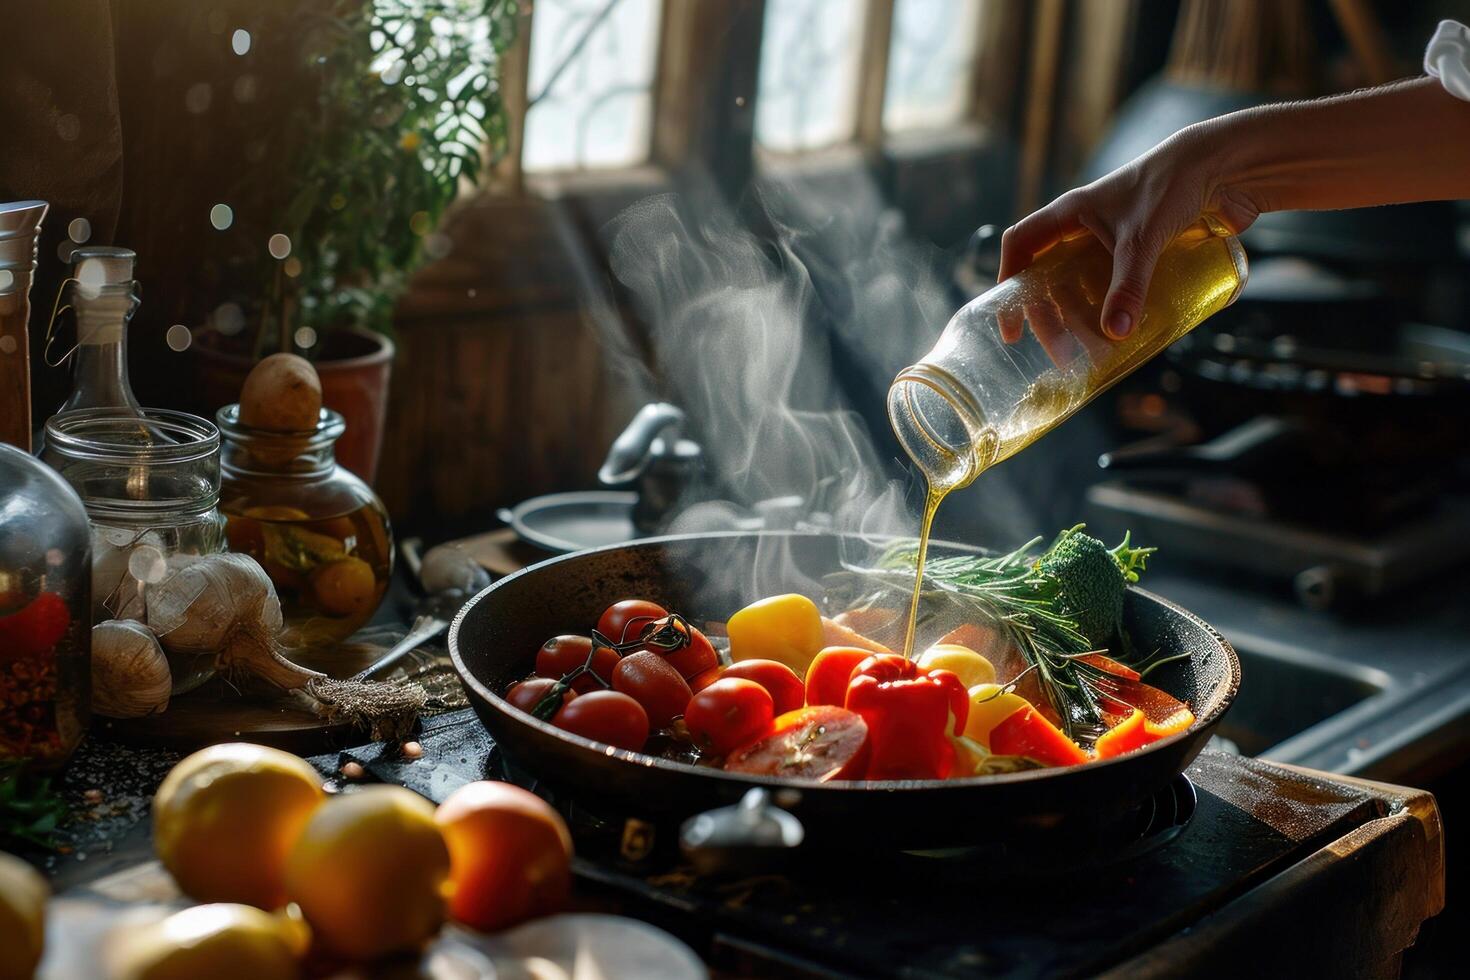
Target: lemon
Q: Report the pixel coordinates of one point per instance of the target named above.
(226, 817)
(369, 872)
(223, 941)
(23, 894)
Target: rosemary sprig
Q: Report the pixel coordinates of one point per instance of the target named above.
(1009, 592)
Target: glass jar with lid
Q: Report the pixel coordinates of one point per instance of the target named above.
(319, 532)
(45, 613)
(150, 485)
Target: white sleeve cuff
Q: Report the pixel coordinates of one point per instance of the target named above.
(1448, 58)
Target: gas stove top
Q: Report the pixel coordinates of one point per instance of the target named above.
(1326, 566)
(1212, 874)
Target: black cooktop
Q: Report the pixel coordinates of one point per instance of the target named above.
(1258, 864)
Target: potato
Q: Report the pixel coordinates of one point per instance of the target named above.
(281, 394)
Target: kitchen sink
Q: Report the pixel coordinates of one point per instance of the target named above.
(1286, 691)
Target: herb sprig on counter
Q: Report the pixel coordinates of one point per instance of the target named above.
(30, 808)
(1056, 607)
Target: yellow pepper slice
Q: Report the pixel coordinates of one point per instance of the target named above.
(784, 628)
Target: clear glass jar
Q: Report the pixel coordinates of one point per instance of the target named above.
(1023, 357)
(319, 532)
(45, 613)
(150, 485)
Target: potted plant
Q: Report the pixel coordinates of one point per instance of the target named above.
(403, 109)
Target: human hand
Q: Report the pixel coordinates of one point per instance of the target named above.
(1136, 211)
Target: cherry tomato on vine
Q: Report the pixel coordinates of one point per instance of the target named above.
(690, 658)
(527, 694)
(561, 655)
(624, 621)
(605, 716)
(703, 680)
(649, 679)
(728, 714)
(780, 681)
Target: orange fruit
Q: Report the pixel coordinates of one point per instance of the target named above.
(345, 587)
(225, 818)
(222, 941)
(23, 894)
(369, 872)
(509, 855)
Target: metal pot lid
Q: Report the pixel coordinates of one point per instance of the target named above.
(563, 522)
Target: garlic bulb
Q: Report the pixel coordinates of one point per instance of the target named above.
(202, 603)
(225, 606)
(130, 675)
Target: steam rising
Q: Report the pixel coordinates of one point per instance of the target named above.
(768, 341)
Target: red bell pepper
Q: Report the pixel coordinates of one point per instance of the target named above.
(911, 714)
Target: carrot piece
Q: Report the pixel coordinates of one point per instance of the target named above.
(1172, 725)
(1129, 734)
(1111, 666)
(837, 634)
(1028, 733)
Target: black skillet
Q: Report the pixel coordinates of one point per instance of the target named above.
(494, 639)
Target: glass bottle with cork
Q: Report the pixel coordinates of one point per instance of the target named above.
(102, 296)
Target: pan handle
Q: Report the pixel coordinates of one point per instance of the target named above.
(753, 834)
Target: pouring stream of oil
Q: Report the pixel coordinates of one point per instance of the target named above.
(1046, 404)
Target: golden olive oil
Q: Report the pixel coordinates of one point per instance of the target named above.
(1019, 360)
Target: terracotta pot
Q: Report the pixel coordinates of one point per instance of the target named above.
(354, 365)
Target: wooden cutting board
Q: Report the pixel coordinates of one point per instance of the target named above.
(216, 712)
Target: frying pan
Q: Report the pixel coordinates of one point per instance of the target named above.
(494, 639)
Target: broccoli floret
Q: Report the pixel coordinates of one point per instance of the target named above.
(1091, 581)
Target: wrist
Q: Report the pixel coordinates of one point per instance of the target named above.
(1226, 158)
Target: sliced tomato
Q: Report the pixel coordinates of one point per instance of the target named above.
(820, 744)
(1028, 733)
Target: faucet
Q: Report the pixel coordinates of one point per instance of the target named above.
(651, 457)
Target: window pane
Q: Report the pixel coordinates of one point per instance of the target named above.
(590, 83)
(931, 63)
(808, 73)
